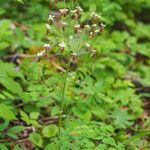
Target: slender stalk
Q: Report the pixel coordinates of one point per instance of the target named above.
(65, 3)
(62, 100)
(65, 79)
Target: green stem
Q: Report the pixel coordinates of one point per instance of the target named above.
(62, 100)
(65, 3)
(65, 79)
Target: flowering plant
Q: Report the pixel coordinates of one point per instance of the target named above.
(70, 36)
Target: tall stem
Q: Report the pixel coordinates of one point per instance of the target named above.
(65, 79)
(62, 99)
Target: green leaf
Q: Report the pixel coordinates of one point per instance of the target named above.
(6, 112)
(101, 147)
(8, 95)
(109, 140)
(4, 125)
(17, 147)
(122, 118)
(8, 70)
(2, 96)
(34, 115)
(101, 96)
(11, 85)
(52, 147)
(50, 131)
(2, 11)
(14, 131)
(3, 147)
(137, 136)
(36, 139)
(25, 117)
(20, 1)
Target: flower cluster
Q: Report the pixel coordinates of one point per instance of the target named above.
(65, 32)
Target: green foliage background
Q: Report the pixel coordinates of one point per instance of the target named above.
(106, 97)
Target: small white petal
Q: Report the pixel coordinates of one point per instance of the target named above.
(64, 23)
(40, 54)
(74, 54)
(87, 26)
(87, 45)
(62, 44)
(47, 46)
(77, 26)
(103, 25)
(96, 31)
(51, 18)
(48, 26)
(94, 25)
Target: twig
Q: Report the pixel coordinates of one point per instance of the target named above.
(50, 120)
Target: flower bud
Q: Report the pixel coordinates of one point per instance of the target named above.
(46, 46)
(91, 34)
(73, 56)
(95, 17)
(78, 8)
(64, 24)
(94, 25)
(87, 45)
(50, 18)
(87, 26)
(97, 31)
(62, 45)
(102, 26)
(76, 13)
(93, 52)
(77, 28)
(63, 12)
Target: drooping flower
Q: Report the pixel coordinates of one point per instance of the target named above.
(50, 18)
(46, 46)
(63, 12)
(62, 46)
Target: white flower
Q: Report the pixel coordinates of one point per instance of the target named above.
(93, 51)
(91, 33)
(77, 26)
(95, 15)
(73, 12)
(51, 18)
(40, 54)
(48, 26)
(63, 11)
(87, 26)
(74, 54)
(97, 31)
(64, 23)
(79, 8)
(94, 25)
(87, 45)
(103, 25)
(46, 46)
(62, 45)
